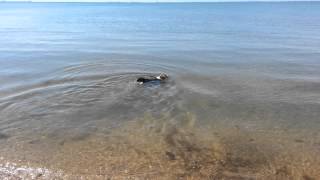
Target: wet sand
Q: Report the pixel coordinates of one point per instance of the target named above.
(162, 148)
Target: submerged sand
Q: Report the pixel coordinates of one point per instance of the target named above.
(163, 148)
(206, 128)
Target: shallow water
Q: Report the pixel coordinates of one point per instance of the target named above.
(242, 101)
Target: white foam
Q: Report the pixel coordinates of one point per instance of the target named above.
(10, 170)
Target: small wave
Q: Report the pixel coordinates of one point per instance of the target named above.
(9, 170)
(82, 100)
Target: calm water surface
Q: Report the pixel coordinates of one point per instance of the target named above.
(242, 101)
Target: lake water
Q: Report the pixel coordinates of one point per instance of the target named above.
(242, 100)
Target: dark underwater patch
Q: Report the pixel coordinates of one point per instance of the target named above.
(3, 136)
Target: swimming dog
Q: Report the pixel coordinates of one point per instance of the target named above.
(153, 79)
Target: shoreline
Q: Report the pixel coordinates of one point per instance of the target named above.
(152, 147)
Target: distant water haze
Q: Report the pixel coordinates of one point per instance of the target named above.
(242, 99)
(158, 1)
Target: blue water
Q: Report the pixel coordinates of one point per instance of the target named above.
(221, 32)
(68, 71)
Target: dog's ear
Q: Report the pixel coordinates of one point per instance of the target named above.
(140, 80)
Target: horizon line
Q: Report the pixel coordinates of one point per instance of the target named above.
(155, 2)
